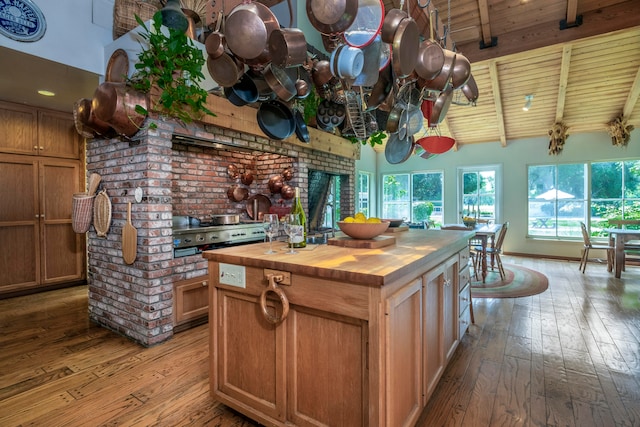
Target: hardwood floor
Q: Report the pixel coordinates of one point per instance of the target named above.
(567, 357)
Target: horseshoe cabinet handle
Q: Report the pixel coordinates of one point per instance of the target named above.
(273, 287)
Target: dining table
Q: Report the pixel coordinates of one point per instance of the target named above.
(620, 236)
(485, 236)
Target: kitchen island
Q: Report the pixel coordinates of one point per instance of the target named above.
(334, 335)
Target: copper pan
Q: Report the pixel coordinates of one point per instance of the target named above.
(288, 47)
(236, 193)
(470, 89)
(331, 16)
(226, 70)
(214, 43)
(441, 106)
(280, 82)
(440, 82)
(247, 30)
(390, 24)
(461, 71)
(405, 48)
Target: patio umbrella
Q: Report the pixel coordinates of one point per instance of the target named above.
(555, 194)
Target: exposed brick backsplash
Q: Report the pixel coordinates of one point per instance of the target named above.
(137, 300)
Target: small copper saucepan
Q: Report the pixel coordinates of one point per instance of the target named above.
(288, 47)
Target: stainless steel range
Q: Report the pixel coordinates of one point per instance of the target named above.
(188, 240)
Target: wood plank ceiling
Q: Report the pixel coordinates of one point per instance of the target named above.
(584, 75)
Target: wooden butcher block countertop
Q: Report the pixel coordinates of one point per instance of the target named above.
(414, 250)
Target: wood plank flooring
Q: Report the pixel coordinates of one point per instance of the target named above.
(567, 357)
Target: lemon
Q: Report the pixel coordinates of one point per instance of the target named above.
(360, 219)
(360, 215)
(374, 220)
(349, 219)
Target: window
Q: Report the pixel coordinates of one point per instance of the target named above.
(560, 196)
(414, 197)
(557, 200)
(615, 192)
(478, 193)
(364, 193)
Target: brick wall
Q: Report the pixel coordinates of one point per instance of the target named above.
(137, 300)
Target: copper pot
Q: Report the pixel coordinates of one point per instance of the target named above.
(287, 192)
(321, 73)
(275, 184)
(237, 193)
(88, 118)
(288, 47)
(115, 103)
(246, 178)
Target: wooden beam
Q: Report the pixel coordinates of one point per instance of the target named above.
(572, 11)
(497, 99)
(485, 22)
(632, 99)
(601, 21)
(243, 119)
(562, 85)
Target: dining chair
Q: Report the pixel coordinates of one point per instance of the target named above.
(494, 251)
(472, 244)
(588, 246)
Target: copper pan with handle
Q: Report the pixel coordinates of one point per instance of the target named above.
(332, 16)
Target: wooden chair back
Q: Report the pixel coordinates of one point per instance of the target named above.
(501, 234)
(585, 235)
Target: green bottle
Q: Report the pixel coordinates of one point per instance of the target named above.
(299, 241)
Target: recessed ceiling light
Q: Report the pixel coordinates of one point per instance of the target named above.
(46, 93)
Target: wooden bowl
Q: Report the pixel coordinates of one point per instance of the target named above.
(363, 230)
(394, 222)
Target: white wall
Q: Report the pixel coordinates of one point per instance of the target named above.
(75, 35)
(514, 158)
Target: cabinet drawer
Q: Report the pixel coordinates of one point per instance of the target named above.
(464, 297)
(465, 321)
(463, 258)
(465, 277)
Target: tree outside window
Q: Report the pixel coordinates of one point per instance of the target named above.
(415, 197)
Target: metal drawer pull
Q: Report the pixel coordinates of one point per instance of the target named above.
(273, 287)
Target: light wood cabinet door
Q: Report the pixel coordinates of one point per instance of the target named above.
(18, 129)
(19, 223)
(190, 300)
(326, 369)
(37, 241)
(57, 135)
(250, 369)
(404, 355)
(440, 321)
(61, 247)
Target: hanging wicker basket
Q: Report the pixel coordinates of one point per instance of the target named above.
(125, 11)
(82, 212)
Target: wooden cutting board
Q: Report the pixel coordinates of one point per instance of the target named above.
(397, 229)
(376, 242)
(129, 239)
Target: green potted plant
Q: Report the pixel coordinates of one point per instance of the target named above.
(169, 68)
